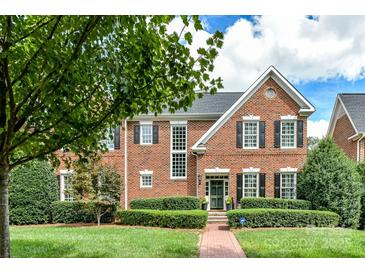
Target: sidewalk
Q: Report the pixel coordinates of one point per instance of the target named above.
(219, 242)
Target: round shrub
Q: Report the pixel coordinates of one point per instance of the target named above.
(32, 189)
(167, 203)
(263, 217)
(274, 203)
(330, 182)
(164, 218)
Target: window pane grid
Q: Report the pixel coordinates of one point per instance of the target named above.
(146, 134)
(288, 186)
(146, 180)
(250, 185)
(178, 151)
(250, 134)
(66, 182)
(288, 134)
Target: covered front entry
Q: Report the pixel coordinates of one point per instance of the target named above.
(216, 194)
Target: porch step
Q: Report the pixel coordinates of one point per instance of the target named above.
(217, 217)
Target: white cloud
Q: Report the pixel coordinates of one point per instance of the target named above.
(302, 49)
(317, 128)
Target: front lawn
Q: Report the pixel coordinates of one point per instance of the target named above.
(302, 243)
(106, 241)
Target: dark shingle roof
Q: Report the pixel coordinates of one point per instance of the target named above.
(217, 103)
(355, 105)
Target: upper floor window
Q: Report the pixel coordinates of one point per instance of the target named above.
(146, 134)
(250, 185)
(288, 185)
(178, 150)
(109, 139)
(250, 134)
(288, 134)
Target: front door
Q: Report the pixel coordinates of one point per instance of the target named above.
(216, 194)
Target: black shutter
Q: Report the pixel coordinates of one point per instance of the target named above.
(277, 133)
(155, 134)
(277, 185)
(117, 137)
(239, 187)
(59, 186)
(262, 182)
(136, 134)
(262, 134)
(239, 132)
(300, 129)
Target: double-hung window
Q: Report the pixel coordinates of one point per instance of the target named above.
(288, 134)
(178, 150)
(288, 185)
(250, 185)
(251, 134)
(65, 178)
(146, 134)
(145, 179)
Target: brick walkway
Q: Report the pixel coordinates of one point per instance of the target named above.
(218, 242)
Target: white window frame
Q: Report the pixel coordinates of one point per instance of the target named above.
(146, 124)
(63, 174)
(109, 141)
(257, 183)
(295, 132)
(257, 133)
(295, 182)
(143, 174)
(172, 125)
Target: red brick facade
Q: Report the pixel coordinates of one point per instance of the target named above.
(343, 130)
(221, 151)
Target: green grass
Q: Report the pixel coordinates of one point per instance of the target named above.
(302, 243)
(105, 241)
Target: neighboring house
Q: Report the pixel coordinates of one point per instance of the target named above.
(233, 144)
(347, 125)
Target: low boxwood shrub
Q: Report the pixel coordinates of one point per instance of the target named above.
(262, 217)
(164, 218)
(274, 203)
(167, 203)
(77, 212)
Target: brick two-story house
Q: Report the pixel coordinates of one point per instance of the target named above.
(233, 144)
(347, 125)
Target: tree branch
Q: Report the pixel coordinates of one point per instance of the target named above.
(40, 24)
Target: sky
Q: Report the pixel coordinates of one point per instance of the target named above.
(320, 55)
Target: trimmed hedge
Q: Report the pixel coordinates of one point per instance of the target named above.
(77, 212)
(167, 203)
(170, 218)
(32, 188)
(275, 203)
(258, 217)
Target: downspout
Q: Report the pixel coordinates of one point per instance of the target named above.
(196, 174)
(125, 166)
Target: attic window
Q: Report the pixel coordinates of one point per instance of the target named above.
(270, 93)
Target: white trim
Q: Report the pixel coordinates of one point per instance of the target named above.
(145, 122)
(141, 180)
(288, 169)
(270, 72)
(358, 153)
(251, 170)
(295, 134)
(334, 117)
(225, 181)
(289, 117)
(216, 170)
(182, 116)
(146, 172)
(125, 165)
(175, 122)
(257, 134)
(295, 182)
(257, 183)
(251, 118)
(63, 173)
(141, 133)
(172, 124)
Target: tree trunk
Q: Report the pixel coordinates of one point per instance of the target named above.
(98, 216)
(4, 211)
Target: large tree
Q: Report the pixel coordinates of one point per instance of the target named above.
(64, 79)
